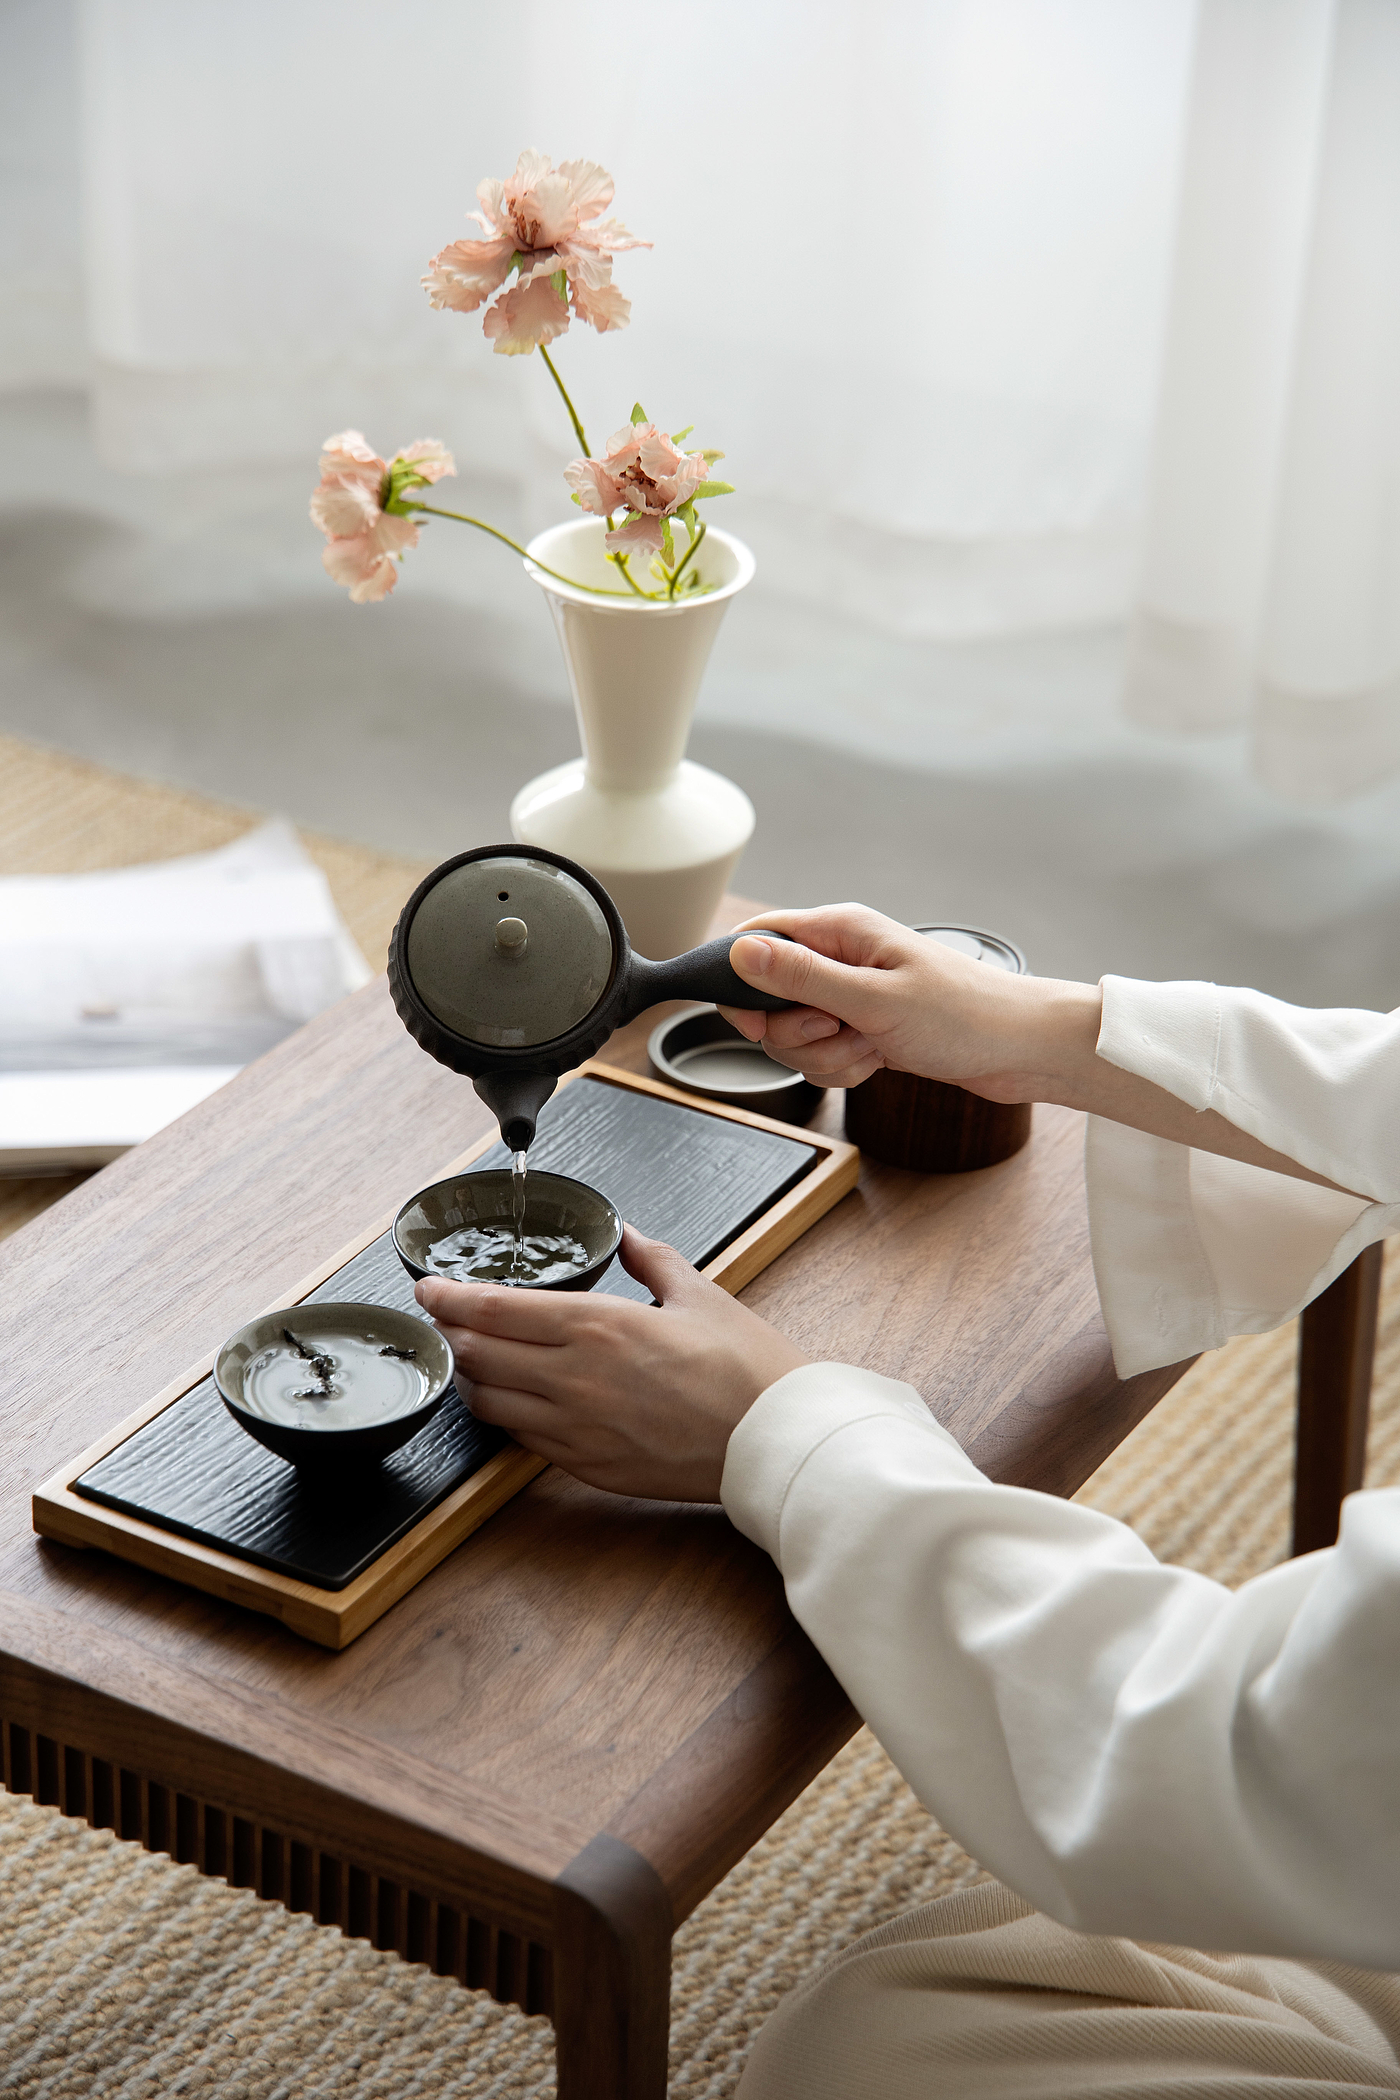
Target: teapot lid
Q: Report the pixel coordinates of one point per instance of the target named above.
(510, 951)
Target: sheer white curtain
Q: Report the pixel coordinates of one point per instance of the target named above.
(1271, 584)
(1010, 315)
(908, 271)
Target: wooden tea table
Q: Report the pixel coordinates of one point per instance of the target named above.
(536, 1765)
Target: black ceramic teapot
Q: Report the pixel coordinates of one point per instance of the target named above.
(511, 965)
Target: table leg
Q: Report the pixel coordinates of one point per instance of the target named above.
(612, 1975)
(1336, 1349)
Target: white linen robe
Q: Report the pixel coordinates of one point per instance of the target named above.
(1132, 1747)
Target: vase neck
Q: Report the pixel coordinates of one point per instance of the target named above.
(634, 677)
(613, 762)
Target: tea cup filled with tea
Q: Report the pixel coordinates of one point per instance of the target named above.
(535, 1231)
(328, 1384)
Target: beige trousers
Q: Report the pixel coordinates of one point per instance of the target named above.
(978, 1994)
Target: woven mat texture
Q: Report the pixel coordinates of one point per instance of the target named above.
(125, 1976)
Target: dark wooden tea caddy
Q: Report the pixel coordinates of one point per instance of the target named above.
(927, 1124)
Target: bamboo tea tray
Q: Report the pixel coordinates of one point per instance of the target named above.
(754, 1201)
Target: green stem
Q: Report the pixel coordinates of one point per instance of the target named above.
(676, 572)
(573, 412)
(597, 590)
(620, 561)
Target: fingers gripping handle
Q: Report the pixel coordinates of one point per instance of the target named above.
(703, 973)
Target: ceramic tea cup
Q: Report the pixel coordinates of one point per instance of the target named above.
(333, 1385)
(443, 1229)
(699, 1050)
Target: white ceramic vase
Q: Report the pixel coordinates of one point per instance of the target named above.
(661, 834)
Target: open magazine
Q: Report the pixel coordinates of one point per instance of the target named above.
(128, 996)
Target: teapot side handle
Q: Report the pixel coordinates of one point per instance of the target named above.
(701, 973)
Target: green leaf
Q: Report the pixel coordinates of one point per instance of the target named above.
(560, 282)
(678, 435)
(576, 498)
(709, 455)
(713, 488)
(668, 544)
(394, 492)
(639, 414)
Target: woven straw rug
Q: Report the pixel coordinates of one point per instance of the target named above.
(125, 1976)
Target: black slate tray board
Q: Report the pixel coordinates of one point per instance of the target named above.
(677, 1174)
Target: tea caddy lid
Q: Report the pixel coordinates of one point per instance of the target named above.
(982, 947)
(510, 951)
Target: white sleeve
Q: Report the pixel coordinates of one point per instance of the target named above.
(1190, 1248)
(1134, 1748)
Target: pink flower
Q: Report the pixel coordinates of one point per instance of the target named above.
(547, 219)
(355, 507)
(641, 471)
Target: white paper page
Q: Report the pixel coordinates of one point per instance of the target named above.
(55, 1119)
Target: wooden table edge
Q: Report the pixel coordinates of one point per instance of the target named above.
(189, 1731)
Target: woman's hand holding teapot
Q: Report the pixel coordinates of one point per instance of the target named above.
(872, 993)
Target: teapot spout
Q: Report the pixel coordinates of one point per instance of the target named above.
(515, 1100)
